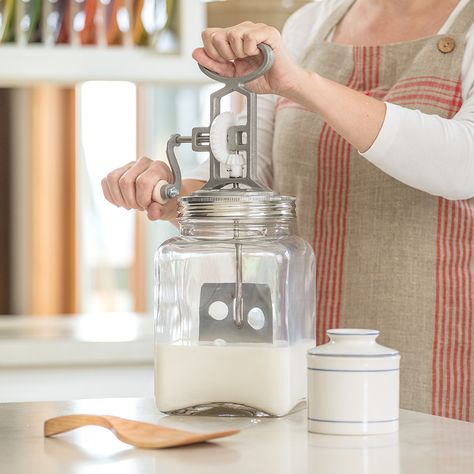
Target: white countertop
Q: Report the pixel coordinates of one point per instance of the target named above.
(424, 444)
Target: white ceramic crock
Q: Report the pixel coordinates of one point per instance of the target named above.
(353, 384)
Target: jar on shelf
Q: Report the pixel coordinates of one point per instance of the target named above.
(165, 38)
(155, 24)
(143, 21)
(28, 21)
(7, 21)
(234, 307)
(56, 21)
(117, 16)
(85, 18)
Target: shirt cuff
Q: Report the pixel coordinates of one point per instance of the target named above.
(378, 153)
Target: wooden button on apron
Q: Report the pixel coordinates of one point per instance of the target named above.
(446, 44)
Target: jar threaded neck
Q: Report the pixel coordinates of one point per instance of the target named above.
(228, 206)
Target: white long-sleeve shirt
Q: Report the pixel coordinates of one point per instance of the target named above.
(427, 152)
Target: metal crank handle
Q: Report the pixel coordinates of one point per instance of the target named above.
(234, 82)
(164, 191)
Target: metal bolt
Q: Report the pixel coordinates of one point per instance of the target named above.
(172, 192)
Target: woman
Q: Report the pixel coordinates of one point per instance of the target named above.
(369, 121)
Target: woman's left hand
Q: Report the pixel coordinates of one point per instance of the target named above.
(233, 52)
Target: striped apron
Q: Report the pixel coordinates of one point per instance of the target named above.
(389, 257)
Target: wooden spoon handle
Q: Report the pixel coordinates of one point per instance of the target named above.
(136, 433)
(61, 424)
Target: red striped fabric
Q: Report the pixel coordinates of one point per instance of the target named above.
(440, 79)
(452, 345)
(332, 191)
(436, 83)
(442, 94)
(453, 312)
(452, 339)
(469, 215)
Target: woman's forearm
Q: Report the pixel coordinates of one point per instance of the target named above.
(427, 152)
(355, 116)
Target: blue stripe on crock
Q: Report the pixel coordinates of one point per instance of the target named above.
(368, 333)
(391, 354)
(347, 421)
(353, 370)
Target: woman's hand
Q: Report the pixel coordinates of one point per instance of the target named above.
(233, 52)
(131, 186)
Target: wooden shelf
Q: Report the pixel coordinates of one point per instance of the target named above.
(65, 64)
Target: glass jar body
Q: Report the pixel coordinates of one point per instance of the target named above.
(220, 368)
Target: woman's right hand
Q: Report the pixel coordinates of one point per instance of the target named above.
(131, 186)
(233, 52)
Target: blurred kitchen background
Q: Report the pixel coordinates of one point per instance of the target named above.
(87, 86)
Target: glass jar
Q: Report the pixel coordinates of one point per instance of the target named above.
(56, 22)
(235, 307)
(28, 21)
(7, 21)
(117, 22)
(84, 22)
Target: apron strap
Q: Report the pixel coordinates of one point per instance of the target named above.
(334, 18)
(463, 21)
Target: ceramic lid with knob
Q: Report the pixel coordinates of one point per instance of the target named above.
(353, 343)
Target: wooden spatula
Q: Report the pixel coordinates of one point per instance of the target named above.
(136, 433)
